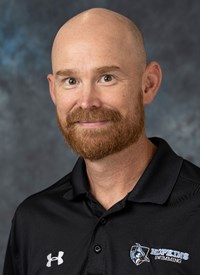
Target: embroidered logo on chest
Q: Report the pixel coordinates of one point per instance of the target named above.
(140, 254)
(57, 259)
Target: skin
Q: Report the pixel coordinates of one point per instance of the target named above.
(98, 60)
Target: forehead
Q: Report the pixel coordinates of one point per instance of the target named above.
(92, 48)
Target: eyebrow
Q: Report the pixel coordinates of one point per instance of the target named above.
(101, 70)
(65, 72)
(106, 69)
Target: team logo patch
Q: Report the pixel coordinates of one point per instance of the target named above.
(169, 255)
(139, 254)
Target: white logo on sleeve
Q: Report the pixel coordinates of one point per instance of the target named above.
(51, 259)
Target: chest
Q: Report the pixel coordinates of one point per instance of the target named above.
(138, 239)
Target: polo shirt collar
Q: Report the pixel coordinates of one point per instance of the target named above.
(79, 179)
(159, 178)
(154, 186)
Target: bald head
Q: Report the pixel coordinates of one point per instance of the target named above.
(105, 26)
(99, 66)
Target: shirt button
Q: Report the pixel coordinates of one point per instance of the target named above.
(97, 249)
(103, 221)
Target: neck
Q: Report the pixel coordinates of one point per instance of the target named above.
(113, 177)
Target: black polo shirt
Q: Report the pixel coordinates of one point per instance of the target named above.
(155, 229)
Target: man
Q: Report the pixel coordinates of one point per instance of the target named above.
(130, 205)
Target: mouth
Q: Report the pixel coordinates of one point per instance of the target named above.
(92, 124)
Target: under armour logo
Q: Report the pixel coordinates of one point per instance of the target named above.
(52, 259)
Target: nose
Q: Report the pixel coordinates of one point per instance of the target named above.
(89, 96)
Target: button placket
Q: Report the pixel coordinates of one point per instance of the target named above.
(96, 258)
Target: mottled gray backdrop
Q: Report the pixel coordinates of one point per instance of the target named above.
(33, 153)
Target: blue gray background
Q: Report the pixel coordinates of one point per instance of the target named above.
(33, 153)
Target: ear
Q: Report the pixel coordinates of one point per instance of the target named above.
(151, 82)
(50, 79)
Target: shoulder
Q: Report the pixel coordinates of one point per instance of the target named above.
(42, 200)
(187, 187)
(190, 172)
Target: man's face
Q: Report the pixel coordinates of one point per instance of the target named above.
(97, 90)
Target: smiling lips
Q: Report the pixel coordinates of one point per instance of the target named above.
(92, 124)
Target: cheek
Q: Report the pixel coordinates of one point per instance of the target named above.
(125, 102)
(62, 110)
(63, 103)
(116, 96)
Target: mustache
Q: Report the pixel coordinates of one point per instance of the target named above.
(93, 114)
